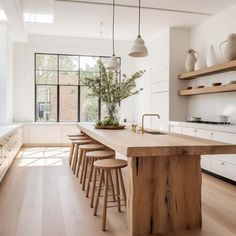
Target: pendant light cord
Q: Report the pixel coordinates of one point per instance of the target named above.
(139, 18)
(113, 30)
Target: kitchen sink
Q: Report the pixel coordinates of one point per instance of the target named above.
(154, 132)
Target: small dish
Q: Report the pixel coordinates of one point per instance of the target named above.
(188, 88)
(216, 84)
(201, 86)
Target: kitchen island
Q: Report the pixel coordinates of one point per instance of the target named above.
(164, 177)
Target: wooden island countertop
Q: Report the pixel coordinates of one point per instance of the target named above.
(130, 144)
(164, 177)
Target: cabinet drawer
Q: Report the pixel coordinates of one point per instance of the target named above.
(224, 137)
(189, 131)
(224, 168)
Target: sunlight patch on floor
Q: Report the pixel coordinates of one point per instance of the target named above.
(32, 157)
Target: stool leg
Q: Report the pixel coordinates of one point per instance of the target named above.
(75, 156)
(122, 186)
(104, 215)
(83, 165)
(71, 153)
(117, 190)
(89, 178)
(85, 173)
(98, 192)
(79, 162)
(94, 187)
(112, 186)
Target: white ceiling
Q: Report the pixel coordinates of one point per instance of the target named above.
(83, 20)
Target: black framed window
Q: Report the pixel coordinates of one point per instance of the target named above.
(59, 96)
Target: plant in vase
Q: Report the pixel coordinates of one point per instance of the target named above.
(112, 91)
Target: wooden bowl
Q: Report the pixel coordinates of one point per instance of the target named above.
(114, 127)
(216, 84)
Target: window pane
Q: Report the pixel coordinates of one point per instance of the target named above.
(69, 63)
(89, 63)
(46, 62)
(86, 74)
(88, 106)
(68, 103)
(46, 103)
(68, 78)
(46, 77)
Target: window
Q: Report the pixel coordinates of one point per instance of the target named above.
(58, 93)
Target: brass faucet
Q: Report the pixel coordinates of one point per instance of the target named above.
(142, 127)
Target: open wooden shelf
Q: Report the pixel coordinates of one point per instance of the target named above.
(206, 90)
(229, 66)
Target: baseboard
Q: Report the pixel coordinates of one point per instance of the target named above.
(230, 181)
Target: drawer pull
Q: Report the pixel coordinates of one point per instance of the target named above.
(222, 163)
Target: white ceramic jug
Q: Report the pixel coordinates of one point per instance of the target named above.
(211, 59)
(229, 51)
(191, 60)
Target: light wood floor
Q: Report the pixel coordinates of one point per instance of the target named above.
(40, 196)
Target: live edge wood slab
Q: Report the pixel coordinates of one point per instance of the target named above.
(164, 177)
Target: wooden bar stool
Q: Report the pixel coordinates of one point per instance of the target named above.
(90, 158)
(83, 163)
(77, 144)
(72, 149)
(76, 135)
(106, 166)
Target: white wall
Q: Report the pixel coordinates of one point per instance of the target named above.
(6, 75)
(24, 67)
(213, 32)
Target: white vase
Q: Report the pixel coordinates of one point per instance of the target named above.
(211, 59)
(190, 60)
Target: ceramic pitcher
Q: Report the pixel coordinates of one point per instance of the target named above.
(191, 60)
(229, 50)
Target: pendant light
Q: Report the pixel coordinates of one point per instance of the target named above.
(113, 64)
(139, 49)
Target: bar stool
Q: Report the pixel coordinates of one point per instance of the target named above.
(76, 135)
(106, 166)
(72, 149)
(83, 163)
(77, 144)
(90, 158)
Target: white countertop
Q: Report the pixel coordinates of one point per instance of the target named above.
(5, 130)
(221, 128)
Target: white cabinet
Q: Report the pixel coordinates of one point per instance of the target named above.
(223, 164)
(9, 148)
(45, 134)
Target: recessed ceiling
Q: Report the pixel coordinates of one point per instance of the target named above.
(73, 18)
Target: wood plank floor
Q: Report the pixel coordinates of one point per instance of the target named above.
(39, 196)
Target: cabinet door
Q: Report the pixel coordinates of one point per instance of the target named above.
(159, 104)
(206, 162)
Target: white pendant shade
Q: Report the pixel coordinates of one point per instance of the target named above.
(113, 64)
(139, 49)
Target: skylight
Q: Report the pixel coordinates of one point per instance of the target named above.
(38, 18)
(3, 16)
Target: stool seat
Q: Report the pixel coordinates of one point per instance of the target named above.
(77, 138)
(100, 154)
(91, 147)
(75, 135)
(110, 164)
(82, 141)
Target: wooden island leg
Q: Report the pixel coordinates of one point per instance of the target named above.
(164, 194)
